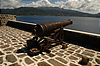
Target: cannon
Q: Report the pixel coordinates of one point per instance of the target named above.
(45, 35)
(47, 28)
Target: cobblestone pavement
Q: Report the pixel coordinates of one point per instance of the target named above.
(12, 39)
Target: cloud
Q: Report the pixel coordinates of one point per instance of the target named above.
(11, 4)
(41, 3)
(84, 6)
(81, 5)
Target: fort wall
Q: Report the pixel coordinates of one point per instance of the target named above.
(4, 18)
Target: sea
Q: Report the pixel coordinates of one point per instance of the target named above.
(85, 24)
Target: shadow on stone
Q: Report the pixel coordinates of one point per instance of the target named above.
(31, 49)
(25, 50)
(84, 60)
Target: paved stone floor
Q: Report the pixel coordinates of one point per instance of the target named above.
(12, 39)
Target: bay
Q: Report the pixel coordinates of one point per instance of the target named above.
(86, 24)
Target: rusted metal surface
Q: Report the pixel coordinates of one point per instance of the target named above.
(44, 29)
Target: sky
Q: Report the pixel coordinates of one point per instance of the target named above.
(80, 5)
(29, 1)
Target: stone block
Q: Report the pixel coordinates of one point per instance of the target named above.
(45, 57)
(51, 55)
(11, 58)
(73, 58)
(15, 64)
(43, 64)
(59, 54)
(9, 49)
(1, 60)
(97, 60)
(38, 57)
(72, 64)
(28, 61)
(88, 54)
(22, 55)
(4, 46)
(78, 55)
(70, 52)
(62, 60)
(55, 63)
(1, 53)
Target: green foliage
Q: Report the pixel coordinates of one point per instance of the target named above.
(45, 11)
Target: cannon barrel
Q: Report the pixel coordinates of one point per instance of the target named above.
(44, 29)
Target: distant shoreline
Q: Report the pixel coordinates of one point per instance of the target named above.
(55, 15)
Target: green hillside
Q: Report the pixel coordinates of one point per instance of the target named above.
(45, 11)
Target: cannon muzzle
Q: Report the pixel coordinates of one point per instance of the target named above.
(47, 28)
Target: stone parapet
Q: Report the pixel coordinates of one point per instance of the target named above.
(89, 40)
(4, 18)
(21, 25)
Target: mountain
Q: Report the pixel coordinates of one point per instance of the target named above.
(45, 11)
(97, 15)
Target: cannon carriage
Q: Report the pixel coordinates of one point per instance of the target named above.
(45, 35)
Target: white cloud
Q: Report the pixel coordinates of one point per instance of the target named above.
(11, 4)
(80, 5)
(85, 6)
(41, 3)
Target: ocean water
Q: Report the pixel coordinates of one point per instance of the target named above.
(86, 24)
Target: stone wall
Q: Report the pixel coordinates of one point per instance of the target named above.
(21, 25)
(89, 40)
(5, 17)
(85, 39)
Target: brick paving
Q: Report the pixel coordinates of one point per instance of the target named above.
(12, 39)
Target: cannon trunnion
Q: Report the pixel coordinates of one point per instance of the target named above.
(46, 35)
